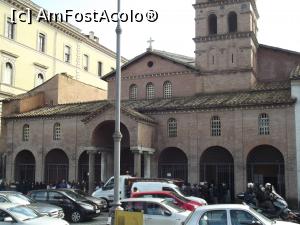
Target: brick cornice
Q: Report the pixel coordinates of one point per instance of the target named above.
(227, 36)
(211, 3)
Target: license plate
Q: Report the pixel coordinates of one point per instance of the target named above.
(98, 211)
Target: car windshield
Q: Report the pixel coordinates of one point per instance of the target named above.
(177, 190)
(180, 197)
(80, 192)
(19, 199)
(260, 216)
(173, 206)
(23, 213)
(74, 196)
(188, 218)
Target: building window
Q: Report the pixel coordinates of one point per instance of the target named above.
(172, 127)
(56, 131)
(150, 93)
(212, 24)
(232, 22)
(41, 42)
(133, 92)
(8, 74)
(263, 124)
(11, 29)
(100, 69)
(215, 126)
(25, 132)
(86, 62)
(67, 57)
(167, 89)
(40, 79)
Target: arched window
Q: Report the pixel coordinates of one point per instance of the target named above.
(168, 89)
(172, 127)
(8, 74)
(56, 131)
(232, 22)
(150, 92)
(25, 132)
(40, 79)
(133, 92)
(212, 24)
(263, 124)
(215, 126)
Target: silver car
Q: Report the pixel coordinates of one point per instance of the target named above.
(21, 214)
(42, 208)
(229, 214)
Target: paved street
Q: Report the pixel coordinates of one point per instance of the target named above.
(101, 220)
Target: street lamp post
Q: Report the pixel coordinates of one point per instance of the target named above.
(117, 135)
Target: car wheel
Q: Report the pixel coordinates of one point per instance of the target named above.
(76, 217)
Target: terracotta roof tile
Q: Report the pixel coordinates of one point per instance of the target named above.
(262, 95)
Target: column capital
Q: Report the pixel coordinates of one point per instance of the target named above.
(142, 149)
(91, 150)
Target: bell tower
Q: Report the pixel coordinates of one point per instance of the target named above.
(226, 43)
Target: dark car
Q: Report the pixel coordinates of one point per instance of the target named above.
(99, 201)
(42, 208)
(76, 207)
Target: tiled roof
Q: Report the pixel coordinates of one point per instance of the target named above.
(82, 108)
(261, 95)
(214, 101)
(295, 74)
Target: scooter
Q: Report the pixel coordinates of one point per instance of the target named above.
(281, 208)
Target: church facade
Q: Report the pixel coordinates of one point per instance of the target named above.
(229, 115)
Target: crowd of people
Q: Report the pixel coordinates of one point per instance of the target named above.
(25, 186)
(212, 193)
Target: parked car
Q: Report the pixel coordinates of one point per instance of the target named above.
(102, 204)
(177, 199)
(23, 215)
(42, 208)
(164, 186)
(156, 210)
(229, 214)
(76, 208)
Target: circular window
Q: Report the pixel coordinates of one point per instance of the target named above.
(150, 64)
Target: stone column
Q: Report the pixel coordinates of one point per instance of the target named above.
(137, 163)
(103, 166)
(147, 165)
(91, 154)
(39, 167)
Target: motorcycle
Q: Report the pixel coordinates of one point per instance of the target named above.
(280, 209)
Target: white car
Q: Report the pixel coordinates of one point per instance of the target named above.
(156, 211)
(11, 213)
(229, 214)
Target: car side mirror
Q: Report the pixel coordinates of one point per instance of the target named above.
(167, 213)
(8, 219)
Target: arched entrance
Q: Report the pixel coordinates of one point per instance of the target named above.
(56, 166)
(265, 164)
(83, 166)
(103, 139)
(217, 167)
(25, 166)
(173, 163)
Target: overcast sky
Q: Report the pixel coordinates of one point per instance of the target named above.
(173, 31)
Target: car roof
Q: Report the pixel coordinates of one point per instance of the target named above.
(222, 206)
(156, 200)
(5, 193)
(7, 205)
(152, 192)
